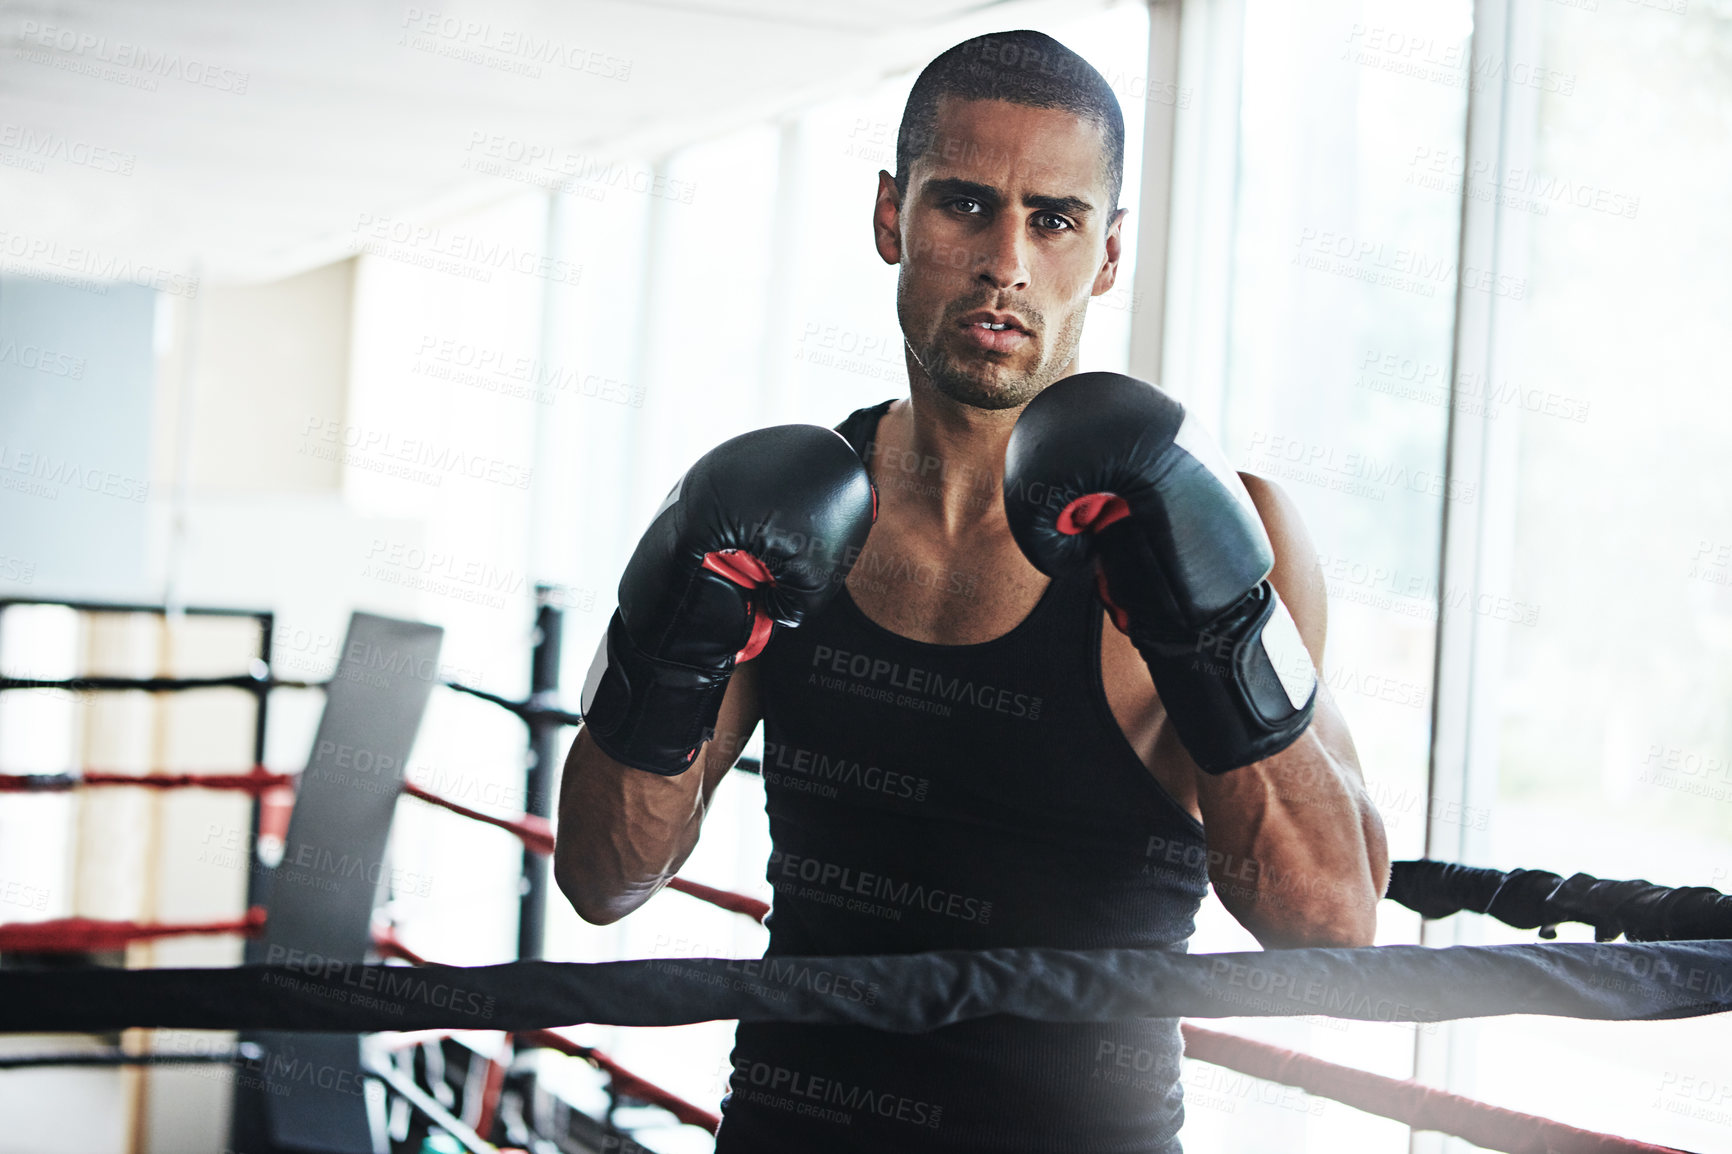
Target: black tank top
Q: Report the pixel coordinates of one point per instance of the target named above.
(927, 797)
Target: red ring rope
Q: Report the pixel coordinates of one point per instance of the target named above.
(90, 935)
(537, 834)
(534, 832)
(624, 1081)
(257, 780)
(1419, 1106)
(726, 899)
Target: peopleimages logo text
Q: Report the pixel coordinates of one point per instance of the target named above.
(787, 868)
(865, 675)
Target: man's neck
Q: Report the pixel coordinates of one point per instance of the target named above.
(947, 459)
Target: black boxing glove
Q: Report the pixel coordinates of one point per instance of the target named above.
(760, 532)
(1106, 470)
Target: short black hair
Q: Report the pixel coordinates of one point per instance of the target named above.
(1022, 67)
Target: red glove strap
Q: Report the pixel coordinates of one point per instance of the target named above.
(747, 572)
(742, 569)
(1091, 513)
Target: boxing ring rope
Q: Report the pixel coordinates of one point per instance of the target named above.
(1534, 899)
(95, 936)
(917, 992)
(1404, 1100)
(252, 683)
(86, 935)
(1422, 884)
(256, 781)
(530, 710)
(109, 1059)
(625, 1082)
(1525, 898)
(536, 833)
(539, 711)
(925, 991)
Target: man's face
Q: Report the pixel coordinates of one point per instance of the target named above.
(1005, 221)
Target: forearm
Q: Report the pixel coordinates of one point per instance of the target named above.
(757, 536)
(622, 832)
(1296, 850)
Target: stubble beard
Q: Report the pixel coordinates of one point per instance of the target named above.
(984, 382)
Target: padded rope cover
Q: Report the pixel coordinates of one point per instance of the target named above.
(1530, 899)
(906, 993)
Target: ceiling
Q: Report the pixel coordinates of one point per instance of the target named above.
(238, 141)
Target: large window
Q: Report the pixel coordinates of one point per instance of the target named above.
(1314, 328)
(1554, 282)
(1601, 730)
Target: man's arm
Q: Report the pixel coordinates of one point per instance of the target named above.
(758, 535)
(624, 833)
(1297, 850)
(1222, 599)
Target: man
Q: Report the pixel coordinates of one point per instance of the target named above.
(962, 751)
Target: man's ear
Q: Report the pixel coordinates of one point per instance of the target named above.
(1109, 271)
(887, 219)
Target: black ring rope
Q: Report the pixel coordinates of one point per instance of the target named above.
(245, 681)
(907, 993)
(537, 708)
(240, 1056)
(1536, 899)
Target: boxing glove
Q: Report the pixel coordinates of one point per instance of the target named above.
(1107, 471)
(759, 533)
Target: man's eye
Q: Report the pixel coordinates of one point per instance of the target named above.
(965, 204)
(1052, 222)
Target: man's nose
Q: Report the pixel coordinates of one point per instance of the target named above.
(1003, 257)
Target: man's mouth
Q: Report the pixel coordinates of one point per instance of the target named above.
(994, 332)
